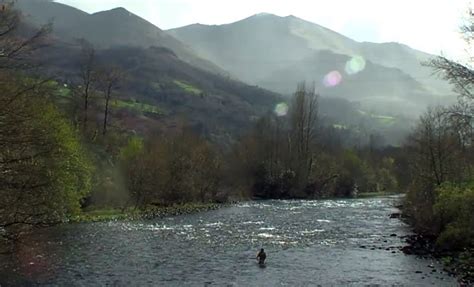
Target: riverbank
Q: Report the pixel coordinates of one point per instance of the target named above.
(375, 194)
(456, 263)
(110, 214)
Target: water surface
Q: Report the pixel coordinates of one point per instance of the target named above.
(308, 243)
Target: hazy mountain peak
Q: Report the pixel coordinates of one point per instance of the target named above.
(265, 14)
(119, 11)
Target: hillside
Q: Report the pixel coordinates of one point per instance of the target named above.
(276, 52)
(376, 87)
(161, 92)
(116, 27)
(163, 88)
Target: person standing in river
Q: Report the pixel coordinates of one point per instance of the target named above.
(261, 256)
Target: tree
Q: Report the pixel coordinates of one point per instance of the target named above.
(282, 150)
(44, 173)
(109, 79)
(18, 47)
(303, 117)
(177, 169)
(87, 75)
(461, 75)
(441, 152)
(436, 158)
(435, 147)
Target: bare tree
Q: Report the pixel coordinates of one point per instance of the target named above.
(436, 148)
(460, 75)
(17, 41)
(87, 74)
(303, 123)
(109, 79)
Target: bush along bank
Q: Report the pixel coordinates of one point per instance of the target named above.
(445, 228)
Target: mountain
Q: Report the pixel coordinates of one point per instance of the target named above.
(277, 52)
(375, 88)
(159, 92)
(116, 27)
(161, 89)
(167, 82)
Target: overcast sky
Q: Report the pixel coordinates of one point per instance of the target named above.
(428, 25)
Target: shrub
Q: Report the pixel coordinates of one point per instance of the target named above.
(453, 214)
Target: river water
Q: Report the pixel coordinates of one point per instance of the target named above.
(308, 243)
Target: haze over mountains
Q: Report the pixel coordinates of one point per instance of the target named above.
(196, 70)
(276, 52)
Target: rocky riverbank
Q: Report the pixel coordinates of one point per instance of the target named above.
(456, 263)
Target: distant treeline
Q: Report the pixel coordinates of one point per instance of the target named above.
(287, 155)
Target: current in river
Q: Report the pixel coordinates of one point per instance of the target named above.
(347, 242)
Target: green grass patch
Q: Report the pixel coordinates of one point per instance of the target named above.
(340, 127)
(99, 215)
(137, 106)
(64, 92)
(374, 194)
(112, 214)
(61, 90)
(157, 86)
(386, 120)
(188, 87)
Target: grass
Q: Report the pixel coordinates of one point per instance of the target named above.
(136, 106)
(62, 90)
(188, 87)
(114, 214)
(374, 194)
(156, 86)
(106, 214)
(339, 127)
(383, 119)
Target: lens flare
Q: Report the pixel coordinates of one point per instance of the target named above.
(281, 109)
(355, 65)
(332, 79)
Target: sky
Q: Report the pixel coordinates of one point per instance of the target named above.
(428, 25)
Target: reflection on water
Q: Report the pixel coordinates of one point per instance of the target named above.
(330, 242)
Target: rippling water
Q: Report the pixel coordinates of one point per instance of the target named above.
(308, 243)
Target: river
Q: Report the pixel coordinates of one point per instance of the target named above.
(348, 242)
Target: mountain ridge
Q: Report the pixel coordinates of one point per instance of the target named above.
(258, 48)
(105, 29)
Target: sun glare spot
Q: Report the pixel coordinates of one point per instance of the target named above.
(355, 65)
(281, 109)
(332, 79)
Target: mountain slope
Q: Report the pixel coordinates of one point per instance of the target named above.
(385, 90)
(160, 91)
(277, 52)
(116, 27)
